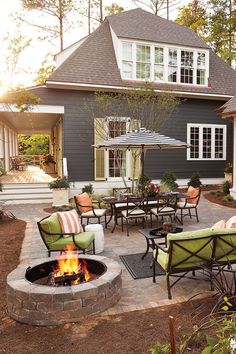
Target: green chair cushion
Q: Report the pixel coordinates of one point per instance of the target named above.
(51, 225)
(84, 239)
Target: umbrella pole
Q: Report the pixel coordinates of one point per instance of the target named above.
(142, 169)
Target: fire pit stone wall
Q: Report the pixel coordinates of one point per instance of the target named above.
(45, 305)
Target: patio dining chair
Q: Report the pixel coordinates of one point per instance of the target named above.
(189, 204)
(165, 206)
(85, 208)
(136, 208)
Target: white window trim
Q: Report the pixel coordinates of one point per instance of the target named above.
(166, 47)
(128, 153)
(213, 127)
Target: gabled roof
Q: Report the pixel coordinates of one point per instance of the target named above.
(229, 108)
(93, 64)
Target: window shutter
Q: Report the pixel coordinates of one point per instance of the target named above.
(99, 154)
(135, 124)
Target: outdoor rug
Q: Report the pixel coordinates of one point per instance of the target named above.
(140, 268)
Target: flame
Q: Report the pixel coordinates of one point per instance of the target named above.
(71, 265)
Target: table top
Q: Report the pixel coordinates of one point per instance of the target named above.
(114, 200)
(162, 234)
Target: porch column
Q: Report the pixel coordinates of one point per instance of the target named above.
(233, 189)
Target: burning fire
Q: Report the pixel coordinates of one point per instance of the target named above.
(71, 266)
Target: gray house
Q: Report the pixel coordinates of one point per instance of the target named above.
(127, 50)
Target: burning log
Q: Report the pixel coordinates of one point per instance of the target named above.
(66, 279)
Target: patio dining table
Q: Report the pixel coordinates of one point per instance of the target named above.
(117, 203)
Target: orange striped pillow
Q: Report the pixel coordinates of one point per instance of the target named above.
(70, 222)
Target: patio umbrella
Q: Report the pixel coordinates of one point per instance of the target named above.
(143, 139)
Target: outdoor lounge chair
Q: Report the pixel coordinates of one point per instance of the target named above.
(55, 240)
(86, 210)
(190, 204)
(17, 163)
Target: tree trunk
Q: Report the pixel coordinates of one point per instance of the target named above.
(101, 11)
(89, 16)
(61, 25)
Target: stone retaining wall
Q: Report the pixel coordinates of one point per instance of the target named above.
(43, 305)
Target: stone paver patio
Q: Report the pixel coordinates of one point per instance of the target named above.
(136, 294)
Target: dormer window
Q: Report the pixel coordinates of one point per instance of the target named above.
(164, 63)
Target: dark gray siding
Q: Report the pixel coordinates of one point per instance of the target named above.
(78, 136)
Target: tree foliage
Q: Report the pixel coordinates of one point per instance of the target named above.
(44, 72)
(21, 98)
(194, 16)
(35, 144)
(214, 23)
(58, 10)
(113, 9)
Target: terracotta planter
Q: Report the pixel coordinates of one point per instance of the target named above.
(60, 196)
(228, 177)
(49, 168)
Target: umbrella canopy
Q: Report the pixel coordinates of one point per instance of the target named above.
(142, 139)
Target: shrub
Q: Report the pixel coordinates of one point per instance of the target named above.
(159, 348)
(2, 169)
(227, 198)
(169, 179)
(88, 188)
(229, 168)
(226, 187)
(195, 180)
(59, 183)
(142, 182)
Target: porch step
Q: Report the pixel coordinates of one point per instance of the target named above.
(26, 193)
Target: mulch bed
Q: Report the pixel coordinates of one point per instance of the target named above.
(216, 198)
(133, 332)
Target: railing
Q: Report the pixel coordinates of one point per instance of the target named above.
(64, 167)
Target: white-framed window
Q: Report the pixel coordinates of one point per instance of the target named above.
(163, 63)
(208, 142)
(117, 161)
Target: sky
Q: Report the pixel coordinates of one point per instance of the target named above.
(32, 57)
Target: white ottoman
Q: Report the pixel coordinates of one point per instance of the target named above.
(97, 229)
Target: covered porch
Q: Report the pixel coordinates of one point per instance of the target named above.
(42, 119)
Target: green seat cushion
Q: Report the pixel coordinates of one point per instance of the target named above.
(51, 225)
(83, 240)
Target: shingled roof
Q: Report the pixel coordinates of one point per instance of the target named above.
(94, 61)
(229, 108)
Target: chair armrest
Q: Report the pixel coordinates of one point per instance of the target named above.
(157, 247)
(97, 202)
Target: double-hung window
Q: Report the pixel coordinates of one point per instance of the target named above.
(158, 64)
(143, 62)
(186, 70)
(208, 142)
(172, 65)
(116, 160)
(127, 61)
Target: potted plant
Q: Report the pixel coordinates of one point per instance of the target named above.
(48, 163)
(228, 172)
(60, 191)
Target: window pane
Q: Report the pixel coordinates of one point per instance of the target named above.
(116, 128)
(201, 60)
(201, 77)
(143, 71)
(186, 58)
(143, 54)
(172, 74)
(172, 57)
(206, 143)
(219, 141)
(194, 142)
(159, 55)
(186, 76)
(127, 69)
(158, 72)
(117, 163)
(127, 51)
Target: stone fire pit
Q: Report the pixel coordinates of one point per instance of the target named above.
(44, 305)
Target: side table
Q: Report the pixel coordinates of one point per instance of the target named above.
(158, 234)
